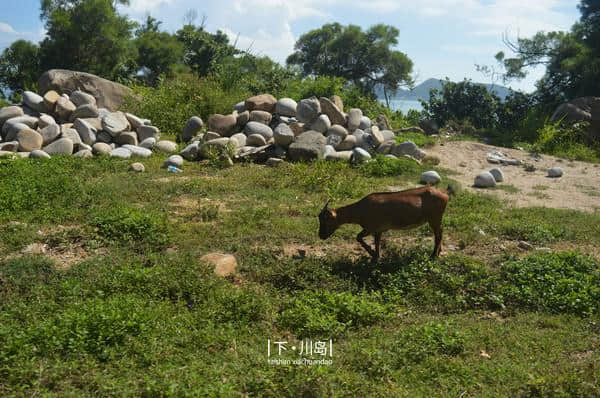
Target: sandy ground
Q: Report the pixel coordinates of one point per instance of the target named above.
(578, 188)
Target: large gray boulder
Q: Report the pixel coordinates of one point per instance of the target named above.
(34, 101)
(308, 146)
(286, 107)
(258, 128)
(10, 112)
(583, 109)
(335, 115)
(308, 110)
(485, 180)
(192, 127)
(62, 146)
(107, 94)
(284, 135)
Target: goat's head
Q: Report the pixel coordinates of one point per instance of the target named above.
(327, 222)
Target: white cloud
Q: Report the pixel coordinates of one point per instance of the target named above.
(276, 44)
(146, 5)
(6, 28)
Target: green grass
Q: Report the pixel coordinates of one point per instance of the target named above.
(421, 140)
(141, 315)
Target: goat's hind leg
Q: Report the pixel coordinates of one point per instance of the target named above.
(436, 227)
(360, 238)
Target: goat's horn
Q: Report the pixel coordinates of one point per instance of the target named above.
(326, 204)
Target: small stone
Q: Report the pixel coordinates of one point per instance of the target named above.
(335, 115)
(283, 135)
(354, 116)
(192, 127)
(365, 123)
(408, 148)
(29, 140)
(137, 167)
(430, 177)
(148, 143)
(134, 121)
(239, 139)
(83, 153)
(321, 124)
(87, 132)
(308, 110)
(86, 111)
(127, 138)
(138, 151)
(10, 112)
(64, 108)
(39, 154)
(72, 135)
(485, 180)
(359, 155)
(525, 245)
(122, 153)
(388, 135)
(166, 146)
(498, 174)
(192, 151)
(34, 101)
(50, 99)
(376, 136)
(101, 148)
(80, 98)
(348, 143)
(555, 172)
(308, 146)
(286, 107)
(45, 120)
(11, 146)
(297, 128)
(339, 155)
(222, 124)
(274, 162)
(211, 135)
(243, 118)
(337, 100)
(258, 128)
(260, 117)
(115, 123)
(173, 160)
(262, 102)
(240, 107)
(256, 140)
(103, 136)
(223, 264)
(62, 146)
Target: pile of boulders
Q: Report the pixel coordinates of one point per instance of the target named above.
(73, 124)
(264, 128)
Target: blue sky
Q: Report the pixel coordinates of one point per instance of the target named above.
(442, 37)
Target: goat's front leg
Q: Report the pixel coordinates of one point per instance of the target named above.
(360, 239)
(377, 246)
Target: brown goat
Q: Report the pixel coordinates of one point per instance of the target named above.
(380, 212)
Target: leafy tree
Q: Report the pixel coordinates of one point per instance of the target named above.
(158, 52)
(364, 58)
(20, 66)
(463, 101)
(204, 52)
(88, 35)
(572, 59)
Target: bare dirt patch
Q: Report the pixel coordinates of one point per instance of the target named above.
(577, 189)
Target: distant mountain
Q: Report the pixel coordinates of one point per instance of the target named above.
(421, 92)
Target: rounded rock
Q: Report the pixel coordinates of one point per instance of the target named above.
(166, 146)
(261, 117)
(485, 180)
(497, 173)
(62, 146)
(39, 154)
(555, 172)
(359, 155)
(148, 143)
(192, 127)
(34, 101)
(137, 167)
(29, 140)
(101, 148)
(321, 124)
(430, 177)
(258, 128)
(122, 153)
(283, 135)
(286, 107)
(173, 160)
(256, 140)
(308, 110)
(354, 116)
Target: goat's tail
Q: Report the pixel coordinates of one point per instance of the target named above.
(450, 191)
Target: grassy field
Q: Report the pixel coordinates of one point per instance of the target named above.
(120, 305)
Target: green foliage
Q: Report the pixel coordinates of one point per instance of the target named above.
(462, 101)
(20, 66)
(204, 52)
(415, 344)
(324, 314)
(556, 282)
(87, 35)
(158, 52)
(174, 101)
(364, 58)
(130, 226)
(381, 166)
(421, 140)
(570, 142)
(572, 59)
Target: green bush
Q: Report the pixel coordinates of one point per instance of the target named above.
(174, 101)
(570, 142)
(565, 282)
(325, 314)
(123, 225)
(381, 166)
